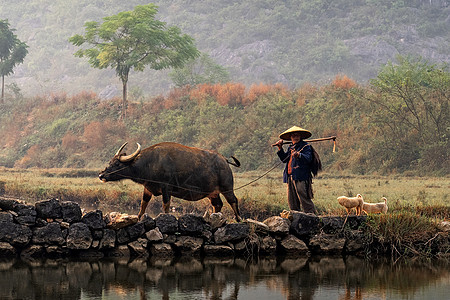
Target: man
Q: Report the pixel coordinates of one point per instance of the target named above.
(297, 173)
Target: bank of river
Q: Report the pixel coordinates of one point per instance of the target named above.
(52, 250)
(55, 229)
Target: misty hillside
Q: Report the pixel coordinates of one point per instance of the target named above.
(289, 42)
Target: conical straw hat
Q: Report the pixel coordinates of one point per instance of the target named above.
(287, 134)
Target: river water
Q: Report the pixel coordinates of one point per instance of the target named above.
(226, 278)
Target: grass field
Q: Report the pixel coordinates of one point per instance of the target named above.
(264, 197)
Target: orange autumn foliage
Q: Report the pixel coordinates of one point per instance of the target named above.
(98, 133)
(202, 91)
(32, 156)
(343, 82)
(175, 96)
(257, 90)
(233, 94)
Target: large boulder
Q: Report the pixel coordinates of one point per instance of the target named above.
(216, 220)
(231, 232)
(48, 235)
(167, 223)
(71, 212)
(15, 234)
(135, 231)
(79, 236)
(278, 225)
(332, 224)
(154, 235)
(8, 204)
(268, 245)
(191, 224)
(94, 220)
(189, 244)
(327, 243)
(115, 220)
(293, 245)
(138, 248)
(122, 236)
(304, 225)
(148, 221)
(49, 209)
(6, 217)
(26, 214)
(108, 240)
(161, 250)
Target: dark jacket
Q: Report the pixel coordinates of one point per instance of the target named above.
(300, 165)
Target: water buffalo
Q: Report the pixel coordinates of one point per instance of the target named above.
(170, 169)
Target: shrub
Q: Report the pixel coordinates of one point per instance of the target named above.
(399, 230)
(70, 142)
(32, 158)
(98, 133)
(305, 93)
(343, 82)
(255, 91)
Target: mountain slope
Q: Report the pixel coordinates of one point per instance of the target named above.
(268, 41)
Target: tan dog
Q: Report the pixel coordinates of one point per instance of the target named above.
(352, 202)
(375, 208)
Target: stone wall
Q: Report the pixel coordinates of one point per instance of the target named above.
(52, 228)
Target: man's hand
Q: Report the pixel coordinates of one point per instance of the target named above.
(279, 144)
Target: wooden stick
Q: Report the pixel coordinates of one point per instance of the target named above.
(322, 139)
(315, 140)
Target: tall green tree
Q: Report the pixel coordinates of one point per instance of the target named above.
(200, 70)
(412, 108)
(12, 52)
(133, 40)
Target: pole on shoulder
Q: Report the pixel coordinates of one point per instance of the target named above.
(316, 140)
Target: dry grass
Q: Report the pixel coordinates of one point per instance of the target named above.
(424, 194)
(267, 196)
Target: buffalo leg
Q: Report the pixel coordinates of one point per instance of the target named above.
(146, 196)
(216, 203)
(166, 200)
(232, 200)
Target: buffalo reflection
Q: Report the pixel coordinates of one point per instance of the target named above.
(219, 278)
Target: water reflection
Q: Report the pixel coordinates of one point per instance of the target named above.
(218, 278)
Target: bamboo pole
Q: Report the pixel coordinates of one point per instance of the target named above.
(315, 140)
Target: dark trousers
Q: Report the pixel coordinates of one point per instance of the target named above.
(298, 194)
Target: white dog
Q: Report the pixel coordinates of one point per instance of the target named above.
(373, 208)
(352, 202)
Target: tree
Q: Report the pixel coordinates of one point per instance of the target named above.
(12, 52)
(412, 108)
(133, 40)
(200, 70)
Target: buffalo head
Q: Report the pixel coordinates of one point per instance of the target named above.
(118, 165)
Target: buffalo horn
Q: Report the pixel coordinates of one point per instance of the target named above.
(132, 156)
(121, 148)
